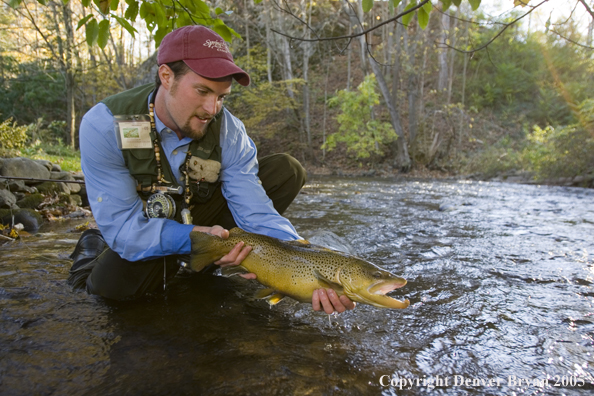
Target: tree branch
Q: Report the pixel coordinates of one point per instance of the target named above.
(570, 40)
(587, 8)
(472, 51)
(38, 29)
(356, 34)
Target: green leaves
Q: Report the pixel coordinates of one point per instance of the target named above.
(423, 15)
(99, 32)
(367, 5)
(406, 18)
(103, 5)
(103, 35)
(125, 24)
(92, 32)
(474, 4)
(363, 134)
(84, 21)
(132, 10)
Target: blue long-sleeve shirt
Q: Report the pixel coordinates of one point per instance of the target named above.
(118, 210)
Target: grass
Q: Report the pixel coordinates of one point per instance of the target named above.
(66, 157)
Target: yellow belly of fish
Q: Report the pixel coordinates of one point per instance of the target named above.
(297, 282)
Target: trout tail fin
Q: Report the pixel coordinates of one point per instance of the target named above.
(206, 249)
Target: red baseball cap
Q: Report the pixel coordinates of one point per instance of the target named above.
(204, 51)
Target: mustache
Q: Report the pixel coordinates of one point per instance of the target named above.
(204, 116)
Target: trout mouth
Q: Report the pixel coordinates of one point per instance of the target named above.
(377, 294)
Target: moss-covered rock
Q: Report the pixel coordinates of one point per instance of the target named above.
(31, 201)
(73, 200)
(27, 217)
(50, 188)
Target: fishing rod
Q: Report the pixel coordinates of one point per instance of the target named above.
(41, 180)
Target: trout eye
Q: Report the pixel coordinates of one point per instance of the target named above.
(377, 275)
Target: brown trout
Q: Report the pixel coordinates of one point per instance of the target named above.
(297, 268)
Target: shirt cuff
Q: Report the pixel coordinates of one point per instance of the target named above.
(175, 238)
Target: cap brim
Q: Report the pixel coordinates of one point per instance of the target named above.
(218, 68)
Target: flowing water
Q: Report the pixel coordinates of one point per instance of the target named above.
(500, 283)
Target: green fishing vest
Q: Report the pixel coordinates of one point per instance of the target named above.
(142, 163)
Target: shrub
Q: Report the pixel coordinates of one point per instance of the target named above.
(362, 134)
(12, 136)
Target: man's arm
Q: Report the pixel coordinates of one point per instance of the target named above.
(252, 210)
(116, 206)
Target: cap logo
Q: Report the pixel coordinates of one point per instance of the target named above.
(218, 45)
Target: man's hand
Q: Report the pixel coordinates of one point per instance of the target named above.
(328, 300)
(235, 256)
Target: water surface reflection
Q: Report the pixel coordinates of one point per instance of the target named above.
(500, 283)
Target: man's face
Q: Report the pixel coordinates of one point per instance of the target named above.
(191, 101)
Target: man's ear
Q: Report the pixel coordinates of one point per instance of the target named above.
(166, 75)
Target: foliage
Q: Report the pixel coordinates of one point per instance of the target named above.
(560, 152)
(497, 158)
(265, 108)
(162, 15)
(65, 156)
(11, 137)
(362, 134)
(32, 90)
(531, 76)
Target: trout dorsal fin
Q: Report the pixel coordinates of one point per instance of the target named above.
(328, 284)
(235, 231)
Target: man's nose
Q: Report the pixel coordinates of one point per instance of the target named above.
(210, 106)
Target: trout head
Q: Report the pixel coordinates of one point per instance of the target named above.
(367, 283)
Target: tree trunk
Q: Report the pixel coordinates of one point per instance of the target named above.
(452, 57)
(325, 105)
(306, 93)
(443, 53)
(411, 49)
(247, 34)
(402, 160)
(268, 45)
(349, 51)
(362, 43)
(396, 66)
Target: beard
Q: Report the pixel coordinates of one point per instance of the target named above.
(193, 133)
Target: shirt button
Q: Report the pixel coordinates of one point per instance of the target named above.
(181, 179)
(99, 199)
(259, 181)
(174, 152)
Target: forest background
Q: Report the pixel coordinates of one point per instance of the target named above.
(451, 88)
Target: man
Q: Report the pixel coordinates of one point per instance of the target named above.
(190, 162)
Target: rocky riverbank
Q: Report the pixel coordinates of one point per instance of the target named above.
(31, 202)
(513, 176)
(26, 204)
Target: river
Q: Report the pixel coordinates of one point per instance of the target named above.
(500, 280)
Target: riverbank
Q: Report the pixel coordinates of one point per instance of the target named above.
(512, 176)
(31, 203)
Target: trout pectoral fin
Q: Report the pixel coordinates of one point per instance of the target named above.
(270, 295)
(233, 270)
(328, 284)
